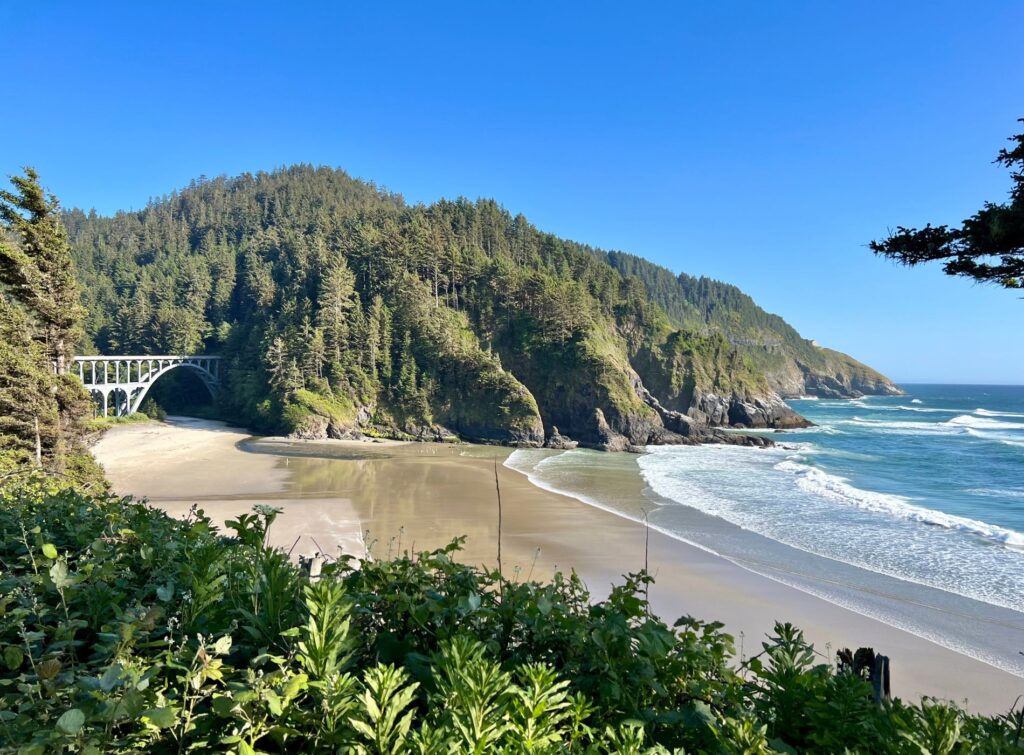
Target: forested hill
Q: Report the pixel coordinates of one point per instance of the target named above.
(340, 309)
(794, 366)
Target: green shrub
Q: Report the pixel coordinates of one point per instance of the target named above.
(124, 630)
(153, 410)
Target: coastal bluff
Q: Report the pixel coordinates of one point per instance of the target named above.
(341, 311)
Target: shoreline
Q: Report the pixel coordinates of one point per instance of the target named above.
(365, 496)
(917, 608)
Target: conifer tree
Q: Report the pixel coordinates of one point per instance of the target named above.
(406, 387)
(336, 300)
(42, 407)
(28, 414)
(37, 268)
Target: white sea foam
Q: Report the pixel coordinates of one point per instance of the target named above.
(826, 429)
(906, 427)
(988, 413)
(924, 409)
(998, 492)
(984, 423)
(964, 424)
(916, 401)
(835, 488)
(780, 495)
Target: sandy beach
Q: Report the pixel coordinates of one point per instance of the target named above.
(383, 498)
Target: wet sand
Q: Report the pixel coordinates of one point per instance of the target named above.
(384, 498)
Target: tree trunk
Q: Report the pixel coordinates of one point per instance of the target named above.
(39, 443)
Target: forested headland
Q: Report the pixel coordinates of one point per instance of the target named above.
(343, 310)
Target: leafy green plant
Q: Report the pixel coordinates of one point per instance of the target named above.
(122, 630)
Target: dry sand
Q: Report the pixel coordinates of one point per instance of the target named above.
(387, 497)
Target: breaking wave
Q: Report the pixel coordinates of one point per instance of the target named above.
(984, 422)
(835, 488)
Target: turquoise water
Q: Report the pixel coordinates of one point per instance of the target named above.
(908, 508)
(954, 448)
(927, 487)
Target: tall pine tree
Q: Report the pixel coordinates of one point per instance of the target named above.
(43, 408)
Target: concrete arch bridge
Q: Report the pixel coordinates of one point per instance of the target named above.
(121, 383)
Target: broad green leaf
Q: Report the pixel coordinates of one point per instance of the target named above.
(223, 705)
(110, 678)
(50, 551)
(273, 702)
(163, 718)
(71, 721)
(13, 657)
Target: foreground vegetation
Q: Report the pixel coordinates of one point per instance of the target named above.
(124, 630)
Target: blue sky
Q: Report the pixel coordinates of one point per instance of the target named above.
(759, 143)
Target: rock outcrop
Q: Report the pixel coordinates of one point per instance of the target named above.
(758, 412)
(558, 441)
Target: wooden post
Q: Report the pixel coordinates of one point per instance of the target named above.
(880, 678)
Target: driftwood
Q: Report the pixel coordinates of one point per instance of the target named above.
(868, 665)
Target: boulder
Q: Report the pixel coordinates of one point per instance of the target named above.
(558, 441)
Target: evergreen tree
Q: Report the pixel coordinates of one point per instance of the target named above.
(277, 362)
(406, 387)
(37, 268)
(42, 407)
(28, 414)
(336, 302)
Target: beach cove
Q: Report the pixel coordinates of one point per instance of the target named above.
(383, 498)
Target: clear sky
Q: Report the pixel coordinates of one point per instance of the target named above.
(760, 143)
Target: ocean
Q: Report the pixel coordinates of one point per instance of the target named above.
(909, 509)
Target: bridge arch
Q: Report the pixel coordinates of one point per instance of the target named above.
(124, 381)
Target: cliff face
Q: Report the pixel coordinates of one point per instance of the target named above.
(342, 311)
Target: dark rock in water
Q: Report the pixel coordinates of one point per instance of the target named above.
(558, 441)
(735, 439)
(609, 439)
(737, 411)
